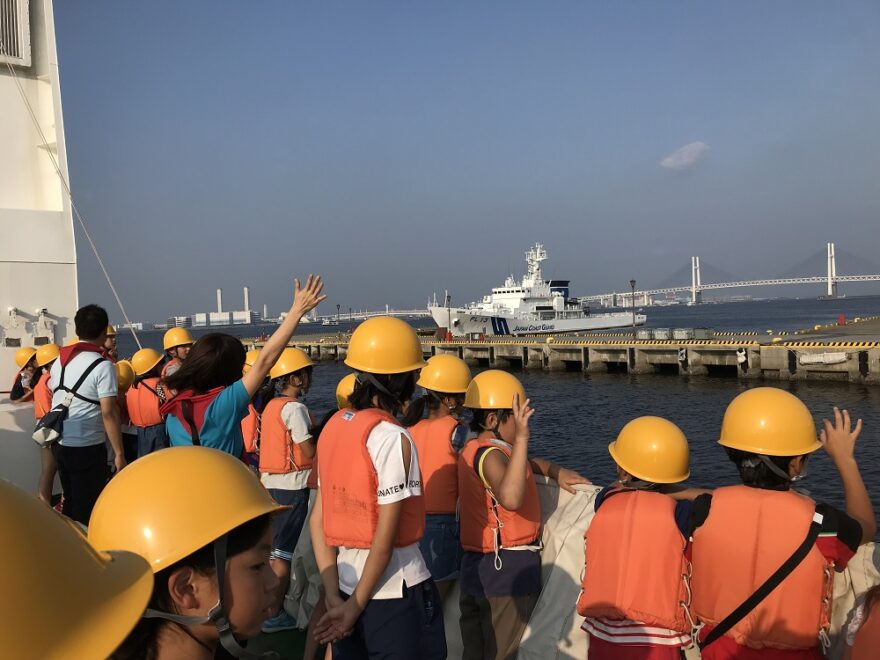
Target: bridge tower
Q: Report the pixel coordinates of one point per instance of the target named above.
(696, 282)
(832, 271)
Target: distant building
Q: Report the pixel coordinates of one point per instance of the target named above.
(179, 322)
(220, 318)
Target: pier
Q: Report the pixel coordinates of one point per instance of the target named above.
(848, 354)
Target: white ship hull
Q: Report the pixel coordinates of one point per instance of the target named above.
(462, 322)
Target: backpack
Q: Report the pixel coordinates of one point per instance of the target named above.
(50, 427)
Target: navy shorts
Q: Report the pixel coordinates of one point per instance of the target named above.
(151, 438)
(440, 546)
(406, 628)
(288, 523)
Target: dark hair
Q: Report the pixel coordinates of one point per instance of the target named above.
(478, 421)
(431, 401)
(401, 388)
(759, 475)
(316, 430)
(152, 373)
(142, 642)
(216, 360)
(90, 321)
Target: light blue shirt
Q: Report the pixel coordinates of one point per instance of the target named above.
(222, 426)
(84, 425)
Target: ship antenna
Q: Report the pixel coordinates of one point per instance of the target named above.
(73, 206)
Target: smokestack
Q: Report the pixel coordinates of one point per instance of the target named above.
(265, 311)
(247, 299)
(219, 300)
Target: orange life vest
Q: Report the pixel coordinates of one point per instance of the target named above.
(172, 362)
(437, 463)
(250, 429)
(279, 454)
(349, 484)
(42, 396)
(867, 642)
(483, 520)
(747, 536)
(143, 403)
(633, 541)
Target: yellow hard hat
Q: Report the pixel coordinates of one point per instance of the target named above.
(145, 360)
(124, 375)
(384, 345)
(24, 355)
(250, 358)
(149, 508)
(445, 373)
(290, 360)
(653, 449)
(176, 337)
(344, 390)
(493, 390)
(46, 353)
(61, 597)
(769, 421)
(111, 331)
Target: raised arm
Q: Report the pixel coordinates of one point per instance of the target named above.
(507, 478)
(839, 440)
(305, 299)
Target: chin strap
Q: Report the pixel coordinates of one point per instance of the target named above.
(217, 614)
(637, 484)
(775, 469)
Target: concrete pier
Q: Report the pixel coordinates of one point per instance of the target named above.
(855, 360)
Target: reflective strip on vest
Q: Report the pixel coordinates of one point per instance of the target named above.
(349, 484)
(437, 463)
(279, 454)
(632, 542)
(747, 536)
(143, 403)
(481, 530)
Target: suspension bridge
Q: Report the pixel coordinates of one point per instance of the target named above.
(644, 297)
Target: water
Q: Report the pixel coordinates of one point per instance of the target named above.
(578, 415)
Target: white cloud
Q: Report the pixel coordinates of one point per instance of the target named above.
(685, 157)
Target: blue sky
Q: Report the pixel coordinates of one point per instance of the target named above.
(402, 148)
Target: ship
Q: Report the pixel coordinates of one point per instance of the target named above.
(531, 306)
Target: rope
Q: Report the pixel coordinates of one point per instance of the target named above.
(73, 206)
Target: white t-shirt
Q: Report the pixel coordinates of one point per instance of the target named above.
(406, 564)
(84, 425)
(296, 418)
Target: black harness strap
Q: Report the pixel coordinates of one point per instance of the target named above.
(773, 581)
(79, 382)
(186, 407)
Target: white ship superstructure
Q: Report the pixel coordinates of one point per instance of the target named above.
(531, 306)
(38, 289)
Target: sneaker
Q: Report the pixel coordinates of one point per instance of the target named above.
(279, 622)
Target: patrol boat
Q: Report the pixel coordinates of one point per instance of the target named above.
(531, 306)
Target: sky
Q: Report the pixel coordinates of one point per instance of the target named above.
(406, 148)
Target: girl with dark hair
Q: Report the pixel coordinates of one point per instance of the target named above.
(209, 554)
(369, 513)
(438, 439)
(210, 394)
(745, 533)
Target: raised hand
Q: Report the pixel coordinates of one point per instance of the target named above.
(839, 438)
(306, 298)
(522, 412)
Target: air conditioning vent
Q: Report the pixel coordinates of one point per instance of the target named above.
(15, 33)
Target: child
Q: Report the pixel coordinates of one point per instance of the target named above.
(438, 439)
(125, 378)
(635, 594)
(745, 533)
(44, 359)
(142, 402)
(500, 518)
(286, 453)
(110, 344)
(22, 387)
(177, 343)
(208, 543)
(369, 512)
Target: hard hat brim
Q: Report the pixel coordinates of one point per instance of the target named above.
(415, 366)
(764, 451)
(638, 474)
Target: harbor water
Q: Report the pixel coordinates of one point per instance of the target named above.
(578, 415)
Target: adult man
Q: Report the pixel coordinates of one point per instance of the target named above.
(94, 414)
